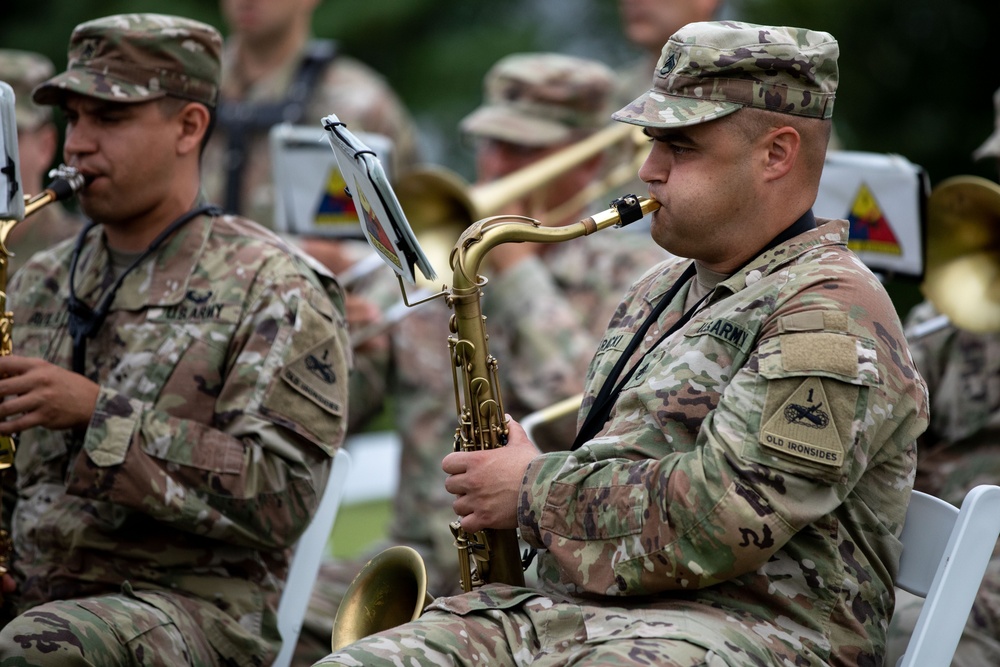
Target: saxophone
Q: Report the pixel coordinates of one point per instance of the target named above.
(391, 588)
(67, 181)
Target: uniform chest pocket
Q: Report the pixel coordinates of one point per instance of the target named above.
(177, 367)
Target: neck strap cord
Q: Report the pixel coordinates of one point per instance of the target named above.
(84, 321)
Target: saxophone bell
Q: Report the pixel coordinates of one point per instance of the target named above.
(391, 589)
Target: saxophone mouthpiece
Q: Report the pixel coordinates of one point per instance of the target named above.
(67, 181)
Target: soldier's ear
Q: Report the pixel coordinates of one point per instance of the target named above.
(782, 144)
(193, 121)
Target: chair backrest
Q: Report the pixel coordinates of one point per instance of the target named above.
(945, 554)
(306, 558)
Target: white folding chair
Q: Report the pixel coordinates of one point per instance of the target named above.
(945, 554)
(306, 560)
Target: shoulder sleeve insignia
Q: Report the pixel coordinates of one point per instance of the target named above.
(314, 375)
(803, 426)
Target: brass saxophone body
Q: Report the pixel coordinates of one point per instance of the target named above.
(66, 182)
(391, 588)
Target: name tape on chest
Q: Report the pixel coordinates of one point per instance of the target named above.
(615, 342)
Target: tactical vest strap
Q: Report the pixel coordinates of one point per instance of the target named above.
(241, 120)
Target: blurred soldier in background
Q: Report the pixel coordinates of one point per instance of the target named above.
(273, 72)
(37, 143)
(546, 306)
(648, 24)
(960, 450)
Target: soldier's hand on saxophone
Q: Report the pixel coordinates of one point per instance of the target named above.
(34, 392)
(486, 483)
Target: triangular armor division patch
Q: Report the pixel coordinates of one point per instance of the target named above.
(804, 428)
(335, 206)
(870, 230)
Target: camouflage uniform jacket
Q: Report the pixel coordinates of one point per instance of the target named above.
(222, 368)
(749, 488)
(43, 229)
(358, 95)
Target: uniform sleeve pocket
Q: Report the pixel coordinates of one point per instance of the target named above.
(309, 392)
(599, 513)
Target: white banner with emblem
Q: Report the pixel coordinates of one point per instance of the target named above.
(884, 198)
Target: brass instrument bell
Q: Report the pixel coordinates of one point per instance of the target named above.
(962, 279)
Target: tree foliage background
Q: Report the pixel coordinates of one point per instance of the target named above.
(917, 76)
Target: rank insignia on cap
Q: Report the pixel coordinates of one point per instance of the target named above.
(668, 65)
(89, 49)
(803, 427)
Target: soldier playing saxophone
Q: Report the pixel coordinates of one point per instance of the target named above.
(697, 521)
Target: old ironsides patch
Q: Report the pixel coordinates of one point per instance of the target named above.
(804, 427)
(313, 375)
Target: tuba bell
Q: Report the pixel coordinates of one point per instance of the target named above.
(962, 279)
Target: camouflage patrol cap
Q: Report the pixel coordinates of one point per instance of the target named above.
(991, 147)
(22, 71)
(138, 58)
(710, 69)
(540, 99)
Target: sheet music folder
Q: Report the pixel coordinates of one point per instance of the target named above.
(382, 219)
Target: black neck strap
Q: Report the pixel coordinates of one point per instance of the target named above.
(84, 321)
(606, 397)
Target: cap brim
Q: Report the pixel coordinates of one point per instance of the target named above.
(91, 84)
(505, 124)
(990, 147)
(655, 109)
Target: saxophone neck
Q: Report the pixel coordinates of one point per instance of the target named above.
(484, 235)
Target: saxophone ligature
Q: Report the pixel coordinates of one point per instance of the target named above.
(391, 588)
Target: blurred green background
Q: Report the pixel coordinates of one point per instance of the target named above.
(917, 76)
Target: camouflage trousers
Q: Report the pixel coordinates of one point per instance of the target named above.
(118, 629)
(538, 632)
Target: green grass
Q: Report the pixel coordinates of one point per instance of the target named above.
(358, 527)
